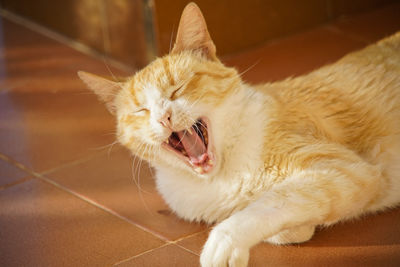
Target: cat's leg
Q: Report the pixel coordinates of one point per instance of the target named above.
(324, 193)
(294, 235)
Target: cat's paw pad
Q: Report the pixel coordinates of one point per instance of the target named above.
(221, 250)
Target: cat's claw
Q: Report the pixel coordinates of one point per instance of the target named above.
(221, 250)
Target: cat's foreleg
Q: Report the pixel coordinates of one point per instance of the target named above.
(230, 241)
(324, 194)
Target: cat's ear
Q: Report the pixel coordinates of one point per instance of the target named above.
(193, 34)
(105, 89)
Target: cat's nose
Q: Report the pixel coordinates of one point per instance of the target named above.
(166, 120)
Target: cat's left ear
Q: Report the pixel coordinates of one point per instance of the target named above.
(105, 89)
(193, 34)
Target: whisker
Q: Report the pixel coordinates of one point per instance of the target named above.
(114, 133)
(249, 68)
(105, 146)
(140, 190)
(89, 92)
(110, 148)
(197, 100)
(112, 74)
(136, 170)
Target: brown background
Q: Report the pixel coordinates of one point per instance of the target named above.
(134, 31)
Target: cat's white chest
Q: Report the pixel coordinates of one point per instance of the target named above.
(194, 199)
(211, 200)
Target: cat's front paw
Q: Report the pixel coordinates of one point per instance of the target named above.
(222, 250)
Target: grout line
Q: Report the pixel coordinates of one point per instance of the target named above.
(17, 164)
(188, 236)
(140, 254)
(51, 170)
(63, 39)
(72, 163)
(19, 181)
(188, 250)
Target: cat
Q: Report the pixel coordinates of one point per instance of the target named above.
(268, 162)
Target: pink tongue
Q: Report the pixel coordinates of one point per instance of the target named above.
(194, 146)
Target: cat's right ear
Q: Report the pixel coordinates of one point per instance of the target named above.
(105, 89)
(193, 34)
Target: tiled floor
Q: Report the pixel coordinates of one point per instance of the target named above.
(70, 198)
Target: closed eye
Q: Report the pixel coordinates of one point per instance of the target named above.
(175, 92)
(141, 111)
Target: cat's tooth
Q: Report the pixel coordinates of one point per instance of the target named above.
(210, 162)
(190, 130)
(167, 141)
(199, 170)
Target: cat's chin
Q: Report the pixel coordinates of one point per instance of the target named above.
(194, 146)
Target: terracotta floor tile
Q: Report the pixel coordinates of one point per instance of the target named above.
(41, 225)
(354, 234)
(10, 174)
(43, 130)
(372, 26)
(110, 180)
(170, 255)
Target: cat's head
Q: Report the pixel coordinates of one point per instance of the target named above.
(166, 113)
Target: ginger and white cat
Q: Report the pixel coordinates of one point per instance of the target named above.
(267, 162)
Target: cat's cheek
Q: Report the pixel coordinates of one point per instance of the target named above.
(222, 249)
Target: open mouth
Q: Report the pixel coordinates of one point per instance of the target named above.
(193, 146)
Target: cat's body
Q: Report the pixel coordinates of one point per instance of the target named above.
(348, 111)
(279, 158)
